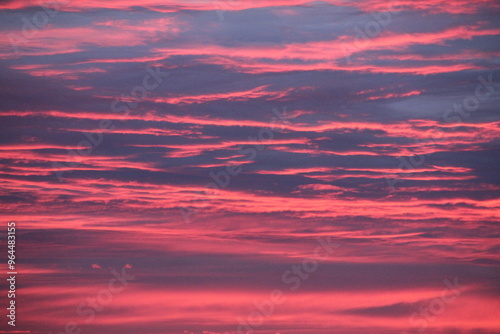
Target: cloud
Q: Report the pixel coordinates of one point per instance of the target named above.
(313, 120)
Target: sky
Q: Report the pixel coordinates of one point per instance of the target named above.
(264, 166)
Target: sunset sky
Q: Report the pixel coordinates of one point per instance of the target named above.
(251, 166)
